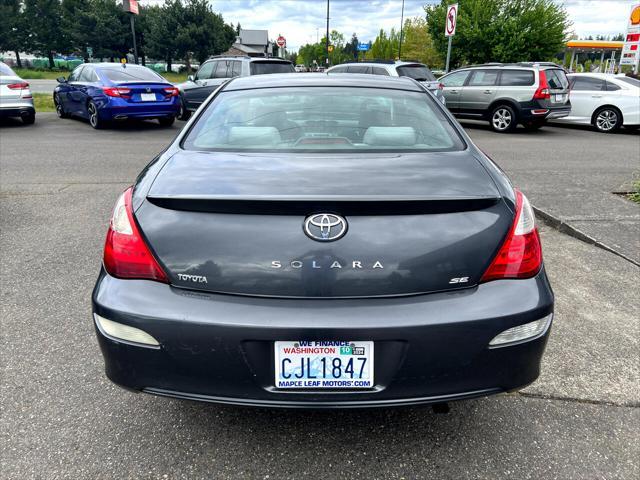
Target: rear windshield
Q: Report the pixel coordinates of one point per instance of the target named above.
(631, 81)
(261, 68)
(557, 79)
(323, 119)
(6, 70)
(418, 72)
(131, 73)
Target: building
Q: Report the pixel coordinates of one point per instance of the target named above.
(254, 43)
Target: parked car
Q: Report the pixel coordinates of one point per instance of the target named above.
(322, 241)
(15, 96)
(300, 68)
(603, 100)
(506, 95)
(217, 70)
(105, 92)
(417, 71)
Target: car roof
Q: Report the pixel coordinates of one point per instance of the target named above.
(276, 80)
(594, 74)
(381, 63)
(248, 58)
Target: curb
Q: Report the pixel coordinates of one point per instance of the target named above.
(563, 227)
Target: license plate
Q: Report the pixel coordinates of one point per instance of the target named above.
(328, 364)
(148, 97)
(560, 98)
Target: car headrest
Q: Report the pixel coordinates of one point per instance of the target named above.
(253, 136)
(390, 136)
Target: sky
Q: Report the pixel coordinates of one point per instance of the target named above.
(302, 21)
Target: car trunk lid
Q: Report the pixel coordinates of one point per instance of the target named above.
(233, 223)
(144, 92)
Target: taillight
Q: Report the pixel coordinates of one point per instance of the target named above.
(126, 255)
(18, 86)
(542, 93)
(117, 92)
(520, 256)
(171, 92)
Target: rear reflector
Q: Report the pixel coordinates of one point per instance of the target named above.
(119, 331)
(520, 256)
(126, 255)
(521, 333)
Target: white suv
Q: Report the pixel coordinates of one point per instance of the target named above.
(417, 71)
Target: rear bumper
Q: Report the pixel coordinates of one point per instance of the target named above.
(117, 108)
(537, 111)
(219, 348)
(16, 110)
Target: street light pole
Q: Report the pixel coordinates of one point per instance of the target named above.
(401, 26)
(327, 46)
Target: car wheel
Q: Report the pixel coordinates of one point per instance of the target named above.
(59, 107)
(183, 114)
(607, 120)
(503, 119)
(29, 119)
(166, 121)
(94, 118)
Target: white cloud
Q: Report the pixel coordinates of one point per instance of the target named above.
(598, 17)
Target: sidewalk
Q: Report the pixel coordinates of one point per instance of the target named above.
(570, 174)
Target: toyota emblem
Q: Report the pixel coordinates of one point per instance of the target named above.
(325, 227)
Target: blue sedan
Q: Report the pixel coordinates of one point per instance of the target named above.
(104, 92)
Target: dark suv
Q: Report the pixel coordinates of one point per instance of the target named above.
(217, 70)
(508, 94)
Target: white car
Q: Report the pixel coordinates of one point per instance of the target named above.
(15, 96)
(603, 100)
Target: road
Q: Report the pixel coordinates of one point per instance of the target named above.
(62, 419)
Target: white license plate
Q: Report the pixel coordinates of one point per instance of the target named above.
(324, 364)
(559, 98)
(148, 97)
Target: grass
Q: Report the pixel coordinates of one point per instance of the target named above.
(635, 195)
(29, 74)
(43, 102)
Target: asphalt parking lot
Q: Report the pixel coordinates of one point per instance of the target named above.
(61, 418)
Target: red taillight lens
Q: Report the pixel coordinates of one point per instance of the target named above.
(171, 91)
(117, 92)
(542, 93)
(126, 255)
(18, 86)
(520, 256)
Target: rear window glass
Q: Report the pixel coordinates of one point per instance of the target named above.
(261, 68)
(131, 73)
(631, 81)
(6, 70)
(557, 79)
(323, 119)
(516, 78)
(418, 72)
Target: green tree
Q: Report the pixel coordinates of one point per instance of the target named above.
(385, 47)
(44, 28)
(159, 30)
(12, 35)
(418, 45)
(500, 30)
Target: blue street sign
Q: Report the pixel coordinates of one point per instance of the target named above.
(363, 47)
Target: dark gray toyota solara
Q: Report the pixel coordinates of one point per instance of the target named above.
(322, 241)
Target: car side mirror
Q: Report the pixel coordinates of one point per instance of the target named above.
(61, 80)
(191, 78)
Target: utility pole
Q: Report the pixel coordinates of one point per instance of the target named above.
(327, 46)
(401, 26)
(133, 32)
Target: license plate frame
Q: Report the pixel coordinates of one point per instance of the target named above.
(148, 97)
(298, 365)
